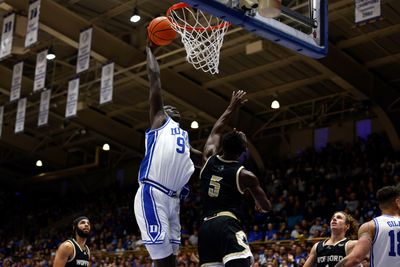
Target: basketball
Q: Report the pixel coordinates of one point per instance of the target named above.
(160, 31)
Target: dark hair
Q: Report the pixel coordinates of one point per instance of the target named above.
(76, 221)
(386, 195)
(233, 143)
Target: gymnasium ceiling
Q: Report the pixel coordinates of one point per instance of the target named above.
(359, 78)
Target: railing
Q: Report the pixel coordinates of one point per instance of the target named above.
(141, 251)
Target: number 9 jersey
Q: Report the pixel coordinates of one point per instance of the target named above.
(167, 158)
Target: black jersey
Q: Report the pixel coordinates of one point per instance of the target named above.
(219, 186)
(329, 255)
(80, 257)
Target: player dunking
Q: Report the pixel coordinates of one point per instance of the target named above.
(164, 171)
(223, 181)
(381, 236)
(74, 251)
(330, 251)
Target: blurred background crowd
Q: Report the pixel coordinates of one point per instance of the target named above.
(305, 191)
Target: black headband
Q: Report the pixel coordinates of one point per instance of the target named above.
(77, 220)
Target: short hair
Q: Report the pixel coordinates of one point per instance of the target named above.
(233, 143)
(386, 195)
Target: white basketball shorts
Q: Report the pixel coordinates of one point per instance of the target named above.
(157, 215)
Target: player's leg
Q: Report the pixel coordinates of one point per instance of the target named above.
(169, 261)
(152, 218)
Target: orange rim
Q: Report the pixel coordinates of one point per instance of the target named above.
(182, 5)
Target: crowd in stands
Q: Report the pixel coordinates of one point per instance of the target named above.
(305, 191)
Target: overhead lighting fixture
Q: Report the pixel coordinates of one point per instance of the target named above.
(194, 125)
(275, 104)
(135, 16)
(106, 147)
(50, 55)
(39, 163)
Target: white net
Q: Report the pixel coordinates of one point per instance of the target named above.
(202, 35)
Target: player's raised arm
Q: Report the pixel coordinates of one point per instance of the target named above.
(155, 96)
(212, 144)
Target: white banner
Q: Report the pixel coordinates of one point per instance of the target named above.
(20, 119)
(40, 71)
(15, 92)
(72, 98)
(107, 82)
(7, 35)
(85, 43)
(44, 107)
(367, 9)
(1, 119)
(32, 27)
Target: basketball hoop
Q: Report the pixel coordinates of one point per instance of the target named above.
(202, 35)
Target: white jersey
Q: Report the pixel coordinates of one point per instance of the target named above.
(386, 244)
(167, 159)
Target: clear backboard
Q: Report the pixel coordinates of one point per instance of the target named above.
(301, 26)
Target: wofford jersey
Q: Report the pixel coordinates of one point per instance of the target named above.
(329, 255)
(80, 257)
(219, 186)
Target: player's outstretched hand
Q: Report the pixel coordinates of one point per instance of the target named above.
(238, 99)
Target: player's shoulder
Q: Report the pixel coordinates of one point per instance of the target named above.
(67, 245)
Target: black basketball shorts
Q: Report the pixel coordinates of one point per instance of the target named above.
(222, 239)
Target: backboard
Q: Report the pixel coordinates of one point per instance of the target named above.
(302, 25)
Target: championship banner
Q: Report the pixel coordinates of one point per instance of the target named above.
(1, 119)
(32, 27)
(15, 92)
(366, 10)
(7, 35)
(85, 43)
(20, 120)
(72, 98)
(107, 82)
(40, 71)
(44, 108)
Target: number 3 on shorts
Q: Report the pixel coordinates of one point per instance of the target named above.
(213, 191)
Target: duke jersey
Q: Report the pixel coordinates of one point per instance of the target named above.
(167, 159)
(386, 244)
(80, 257)
(220, 186)
(329, 255)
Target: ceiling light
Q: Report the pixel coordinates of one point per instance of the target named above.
(50, 55)
(275, 104)
(135, 15)
(194, 125)
(106, 147)
(39, 163)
